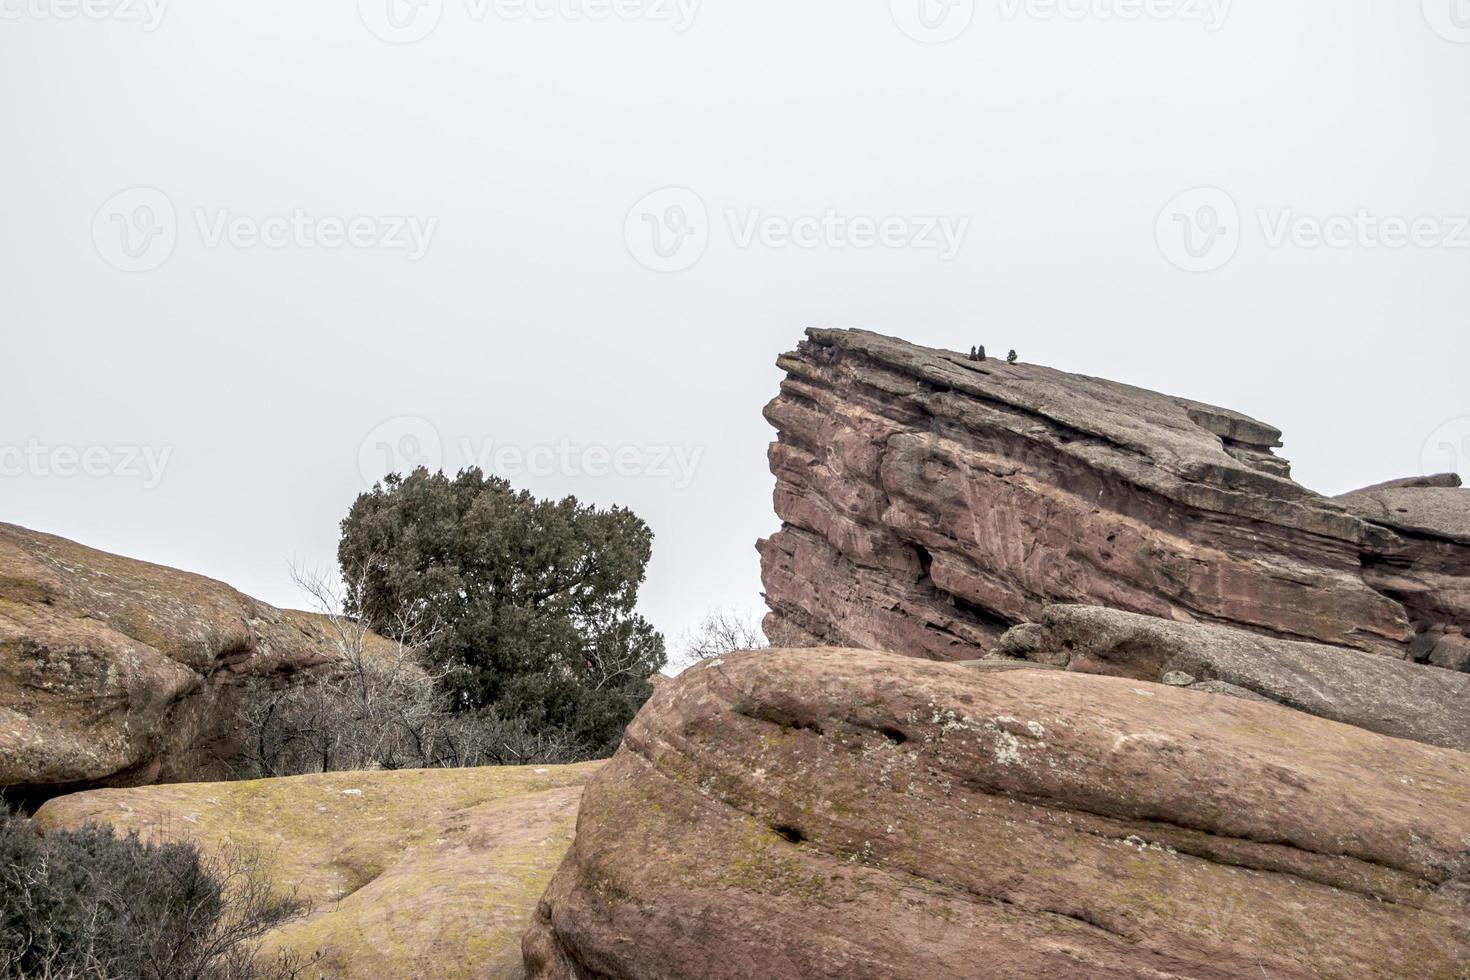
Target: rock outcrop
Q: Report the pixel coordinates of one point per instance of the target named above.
(1383, 695)
(120, 672)
(408, 874)
(930, 502)
(829, 813)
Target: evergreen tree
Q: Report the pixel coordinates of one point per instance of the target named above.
(534, 599)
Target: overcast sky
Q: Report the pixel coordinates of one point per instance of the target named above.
(255, 254)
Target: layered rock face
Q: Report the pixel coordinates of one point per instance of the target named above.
(120, 672)
(930, 502)
(846, 814)
(407, 874)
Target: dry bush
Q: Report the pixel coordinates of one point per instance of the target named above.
(89, 904)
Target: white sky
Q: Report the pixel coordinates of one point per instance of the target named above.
(519, 146)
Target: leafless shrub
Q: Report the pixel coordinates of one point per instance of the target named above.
(721, 631)
(378, 707)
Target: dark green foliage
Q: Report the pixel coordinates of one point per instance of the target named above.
(527, 605)
(1011, 357)
(90, 904)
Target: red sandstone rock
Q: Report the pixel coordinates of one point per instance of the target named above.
(830, 813)
(930, 502)
(118, 672)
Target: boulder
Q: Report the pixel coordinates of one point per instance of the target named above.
(1392, 697)
(120, 672)
(835, 813)
(929, 503)
(407, 874)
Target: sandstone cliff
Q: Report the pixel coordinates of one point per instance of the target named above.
(119, 672)
(930, 502)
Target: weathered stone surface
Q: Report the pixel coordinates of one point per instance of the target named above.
(1433, 511)
(930, 502)
(1383, 695)
(115, 671)
(409, 874)
(830, 813)
(1433, 480)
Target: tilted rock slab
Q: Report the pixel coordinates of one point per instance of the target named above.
(1391, 697)
(120, 672)
(427, 873)
(930, 502)
(832, 813)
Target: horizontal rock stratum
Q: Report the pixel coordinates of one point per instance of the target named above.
(1392, 697)
(428, 873)
(835, 813)
(930, 502)
(120, 672)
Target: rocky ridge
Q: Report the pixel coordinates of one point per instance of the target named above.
(929, 503)
(120, 672)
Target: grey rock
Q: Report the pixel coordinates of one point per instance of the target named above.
(1436, 480)
(1380, 694)
(1440, 511)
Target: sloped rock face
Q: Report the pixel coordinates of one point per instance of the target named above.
(1391, 697)
(119, 672)
(837, 813)
(930, 502)
(429, 873)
